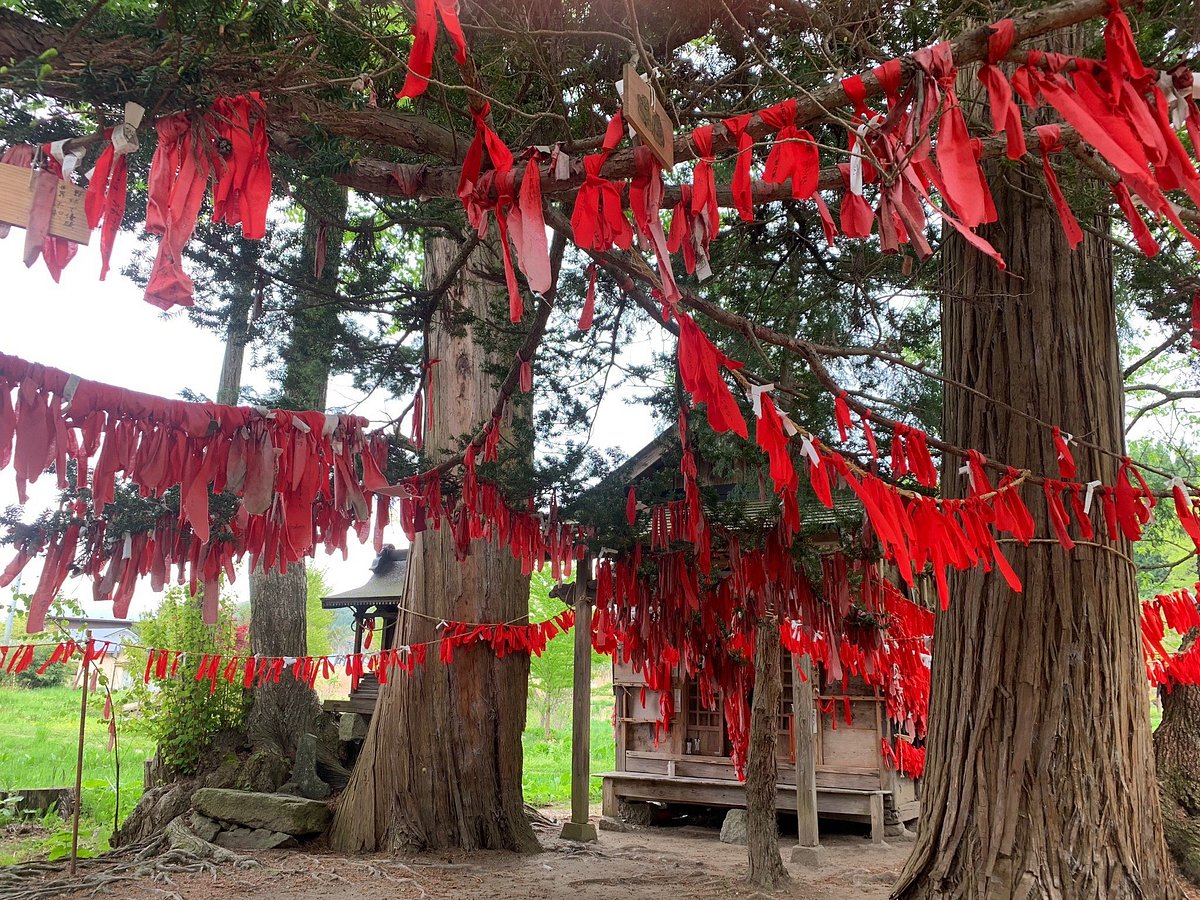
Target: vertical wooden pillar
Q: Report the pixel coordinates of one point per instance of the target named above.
(579, 828)
(808, 842)
(358, 640)
(87, 652)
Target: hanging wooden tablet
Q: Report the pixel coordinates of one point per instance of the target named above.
(16, 198)
(647, 116)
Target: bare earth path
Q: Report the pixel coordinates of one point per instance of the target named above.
(656, 863)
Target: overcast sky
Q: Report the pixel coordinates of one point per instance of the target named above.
(105, 331)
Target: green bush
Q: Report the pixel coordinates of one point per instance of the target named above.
(180, 714)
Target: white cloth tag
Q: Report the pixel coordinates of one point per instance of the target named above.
(1087, 498)
(562, 164)
(68, 161)
(807, 448)
(756, 392)
(856, 162)
(70, 388)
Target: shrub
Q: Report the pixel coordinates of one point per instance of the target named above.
(181, 715)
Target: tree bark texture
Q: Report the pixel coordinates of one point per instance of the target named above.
(441, 763)
(1039, 780)
(237, 335)
(762, 767)
(1177, 759)
(282, 712)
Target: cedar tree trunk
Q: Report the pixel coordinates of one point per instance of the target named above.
(441, 763)
(762, 767)
(282, 712)
(1177, 757)
(1039, 780)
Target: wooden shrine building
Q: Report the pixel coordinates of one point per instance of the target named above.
(691, 764)
(375, 606)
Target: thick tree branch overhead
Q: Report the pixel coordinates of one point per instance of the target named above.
(308, 98)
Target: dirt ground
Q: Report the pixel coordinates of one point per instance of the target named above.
(661, 863)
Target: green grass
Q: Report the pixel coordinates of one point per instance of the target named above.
(546, 779)
(38, 744)
(39, 729)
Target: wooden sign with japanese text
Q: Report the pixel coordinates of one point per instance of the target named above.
(16, 199)
(647, 116)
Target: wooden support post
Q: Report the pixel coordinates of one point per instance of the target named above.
(808, 841)
(579, 828)
(877, 818)
(79, 756)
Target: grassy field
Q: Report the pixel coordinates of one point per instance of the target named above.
(39, 729)
(547, 776)
(38, 743)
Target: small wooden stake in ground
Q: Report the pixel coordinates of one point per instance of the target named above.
(79, 757)
(808, 841)
(579, 828)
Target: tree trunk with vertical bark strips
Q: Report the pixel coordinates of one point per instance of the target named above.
(1177, 758)
(441, 763)
(284, 711)
(281, 713)
(1039, 781)
(762, 767)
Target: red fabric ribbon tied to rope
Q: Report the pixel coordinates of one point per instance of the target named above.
(420, 58)
(704, 182)
(794, 154)
(242, 190)
(1050, 141)
(743, 195)
(699, 367)
(105, 200)
(964, 187)
(598, 221)
(1006, 115)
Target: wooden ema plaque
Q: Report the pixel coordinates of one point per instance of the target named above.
(16, 198)
(647, 117)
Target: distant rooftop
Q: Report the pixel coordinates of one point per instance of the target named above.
(386, 584)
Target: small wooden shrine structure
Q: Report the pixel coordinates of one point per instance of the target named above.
(690, 764)
(375, 603)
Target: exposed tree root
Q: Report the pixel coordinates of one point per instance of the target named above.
(177, 850)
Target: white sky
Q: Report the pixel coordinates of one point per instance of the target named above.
(105, 331)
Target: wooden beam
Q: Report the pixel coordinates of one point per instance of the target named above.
(579, 828)
(808, 840)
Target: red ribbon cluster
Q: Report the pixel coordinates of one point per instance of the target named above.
(903, 757)
(420, 57)
(162, 663)
(598, 220)
(296, 476)
(518, 213)
(505, 639)
(1178, 612)
(228, 141)
(478, 511)
(658, 612)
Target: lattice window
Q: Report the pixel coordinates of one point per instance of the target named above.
(697, 715)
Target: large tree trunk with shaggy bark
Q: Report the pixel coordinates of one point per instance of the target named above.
(1039, 780)
(1177, 758)
(441, 763)
(762, 766)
